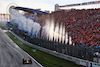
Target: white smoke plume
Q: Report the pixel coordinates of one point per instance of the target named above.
(54, 32)
(26, 24)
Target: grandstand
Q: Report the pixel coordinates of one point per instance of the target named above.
(57, 7)
(83, 27)
(4, 18)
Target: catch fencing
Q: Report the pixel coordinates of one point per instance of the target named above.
(58, 53)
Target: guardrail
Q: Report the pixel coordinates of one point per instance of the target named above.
(60, 55)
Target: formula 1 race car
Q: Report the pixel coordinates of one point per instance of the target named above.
(27, 61)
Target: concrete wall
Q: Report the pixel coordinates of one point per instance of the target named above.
(60, 55)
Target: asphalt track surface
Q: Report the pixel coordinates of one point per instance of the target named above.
(11, 55)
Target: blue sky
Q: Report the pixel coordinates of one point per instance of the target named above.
(42, 4)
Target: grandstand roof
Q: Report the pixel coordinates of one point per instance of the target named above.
(30, 10)
(85, 3)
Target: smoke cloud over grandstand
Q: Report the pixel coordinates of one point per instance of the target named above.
(25, 24)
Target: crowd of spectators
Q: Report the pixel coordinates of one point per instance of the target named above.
(82, 25)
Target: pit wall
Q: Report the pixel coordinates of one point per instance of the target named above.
(60, 55)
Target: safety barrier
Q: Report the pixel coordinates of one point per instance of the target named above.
(60, 55)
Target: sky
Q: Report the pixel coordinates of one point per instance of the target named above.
(42, 4)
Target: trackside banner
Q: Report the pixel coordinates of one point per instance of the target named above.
(89, 63)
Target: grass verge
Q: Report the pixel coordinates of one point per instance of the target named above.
(45, 59)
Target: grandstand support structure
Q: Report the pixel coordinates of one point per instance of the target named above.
(78, 4)
(56, 7)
